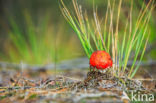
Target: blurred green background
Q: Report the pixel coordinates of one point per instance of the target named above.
(35, 31)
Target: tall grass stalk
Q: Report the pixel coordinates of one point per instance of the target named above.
(104, 36)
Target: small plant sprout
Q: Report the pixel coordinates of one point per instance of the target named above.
(121, 34)
(100, 60)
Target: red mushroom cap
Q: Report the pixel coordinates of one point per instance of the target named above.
(100, 60)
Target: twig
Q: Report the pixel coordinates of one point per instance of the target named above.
(92, 95)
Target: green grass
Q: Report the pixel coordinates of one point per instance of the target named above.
(97, 34)
(39, 42)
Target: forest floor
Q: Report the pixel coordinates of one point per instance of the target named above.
(70, 86)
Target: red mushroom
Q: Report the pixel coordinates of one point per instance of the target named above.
(100, 60)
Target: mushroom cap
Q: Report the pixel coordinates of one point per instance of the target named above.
(100, 60)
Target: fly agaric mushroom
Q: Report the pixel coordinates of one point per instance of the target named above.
(100, 60)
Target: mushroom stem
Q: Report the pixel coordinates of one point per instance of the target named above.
(91, 68)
